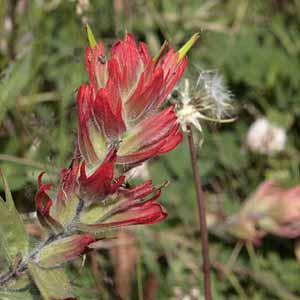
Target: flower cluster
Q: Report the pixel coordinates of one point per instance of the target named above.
(121, 124)
(120, 106)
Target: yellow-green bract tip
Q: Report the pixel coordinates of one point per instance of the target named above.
(91, 36)
(187, 46)
(161, 51)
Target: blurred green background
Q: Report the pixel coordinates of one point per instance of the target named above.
(254, 44)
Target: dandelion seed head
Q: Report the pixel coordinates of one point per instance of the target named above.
(208, 99)
(213, 94)
(187, 113)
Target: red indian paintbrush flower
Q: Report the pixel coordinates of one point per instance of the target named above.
(120, 122)
(121, 105)
(113, 205)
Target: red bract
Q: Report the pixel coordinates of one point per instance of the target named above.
(66, 191)
(129, 207)
(100, 183)
(42, 200)
(63, 250)
(121, 104)
(43, 206)
(63, 208)
(68, 183)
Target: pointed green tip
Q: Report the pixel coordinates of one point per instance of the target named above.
(187, 46)
(161, 52)
(91, 37)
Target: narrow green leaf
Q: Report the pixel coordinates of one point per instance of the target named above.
(13, 237)
(187, 46)
(14, 81)
(52, 284)
(91, 37)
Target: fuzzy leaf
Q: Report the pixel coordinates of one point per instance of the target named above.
(13, 237)
(64, 250)
(53, 284)
(20, 282)
(65, 213)
(94, 213)
(16, 295)
(21, 289)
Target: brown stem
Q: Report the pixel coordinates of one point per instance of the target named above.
(12, 9)
(202, 218)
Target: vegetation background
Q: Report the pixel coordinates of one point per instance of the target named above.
(254, 44)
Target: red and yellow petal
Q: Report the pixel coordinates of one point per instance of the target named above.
(159, 133)
(96, 65)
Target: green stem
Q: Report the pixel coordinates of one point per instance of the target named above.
(28, 163)
(139, 279)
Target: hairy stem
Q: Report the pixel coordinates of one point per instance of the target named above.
(11, 274)
(16, 271)
(202, 216)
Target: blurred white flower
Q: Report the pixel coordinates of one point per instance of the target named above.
(177, 293)
(82, 6)
(8, 24)
(266, 138)
(193, 294)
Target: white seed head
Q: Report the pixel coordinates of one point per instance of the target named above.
(187, 113)
(266, 138)
(212, 94)
(208, 99)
